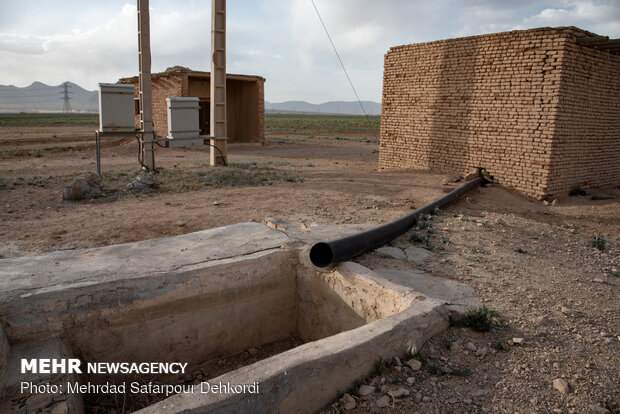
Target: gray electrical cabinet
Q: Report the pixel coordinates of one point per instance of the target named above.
(116, 108)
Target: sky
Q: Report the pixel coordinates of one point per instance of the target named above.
(92, 41)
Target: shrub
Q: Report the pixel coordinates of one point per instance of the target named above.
(482, 319)
(598, 242)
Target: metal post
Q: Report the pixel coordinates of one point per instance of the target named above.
(218, 83)
(98, 151)
(145, 92)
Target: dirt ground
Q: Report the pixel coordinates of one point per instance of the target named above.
(534, 263)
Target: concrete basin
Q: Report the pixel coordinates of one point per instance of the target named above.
(208, 295)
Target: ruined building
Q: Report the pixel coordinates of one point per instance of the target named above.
(539, 109)
(245, 101)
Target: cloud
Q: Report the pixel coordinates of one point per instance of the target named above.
(602, 17)
(22, 44)
(282, 40)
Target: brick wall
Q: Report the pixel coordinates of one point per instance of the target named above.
(245, 109)
(586, 145)
(163, 86)
(494, 101)
(260, 84)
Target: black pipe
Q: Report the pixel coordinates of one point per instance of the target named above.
(323, 254)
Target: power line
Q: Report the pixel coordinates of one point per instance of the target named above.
(66, 104)
(340, 60)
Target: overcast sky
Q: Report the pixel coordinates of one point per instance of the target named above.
(91, 41)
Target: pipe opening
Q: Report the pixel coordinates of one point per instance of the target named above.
(321, 254)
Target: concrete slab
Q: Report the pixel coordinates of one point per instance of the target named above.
(416, 254)
(459, 296)
(317, 232)
(78, 268)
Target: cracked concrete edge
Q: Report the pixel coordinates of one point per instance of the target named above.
(317, 232)
(457, 296)
(133, 260)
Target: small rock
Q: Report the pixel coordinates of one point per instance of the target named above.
(426, 398)
(452, 400)
(78, 190)
(394, 252)
(383, 401)
(397, 361)
(416, 254)
(216, 203)
(252, 351)
(554, 202)
(401, 392)
(180, 223)
(276, 223)
(518, 341)
(482, 392)
(348, 402)
(598, 280)
(566, 311)
(366, 390)
(561, 385)
(304, 226)
(598, 409)
(418, 397)
(540, 320)
(147, 180)
(94, 180)
(470, 345)
(410, 380)
(138, 186)
(414, 364)
(545, 202)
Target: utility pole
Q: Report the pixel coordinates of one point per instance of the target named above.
(218, 83)
(66, 104)
(145, 91)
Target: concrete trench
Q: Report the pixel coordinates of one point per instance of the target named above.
(207, 295)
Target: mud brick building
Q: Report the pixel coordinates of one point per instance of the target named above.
(539, 109)
(245, 101)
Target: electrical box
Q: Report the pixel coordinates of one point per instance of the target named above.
(116, 108)
(183, 122)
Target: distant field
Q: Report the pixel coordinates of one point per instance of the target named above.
(41, 119)
(274, 123)
(303, 123)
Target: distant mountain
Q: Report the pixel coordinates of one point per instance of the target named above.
(334, 107)
(40, 97)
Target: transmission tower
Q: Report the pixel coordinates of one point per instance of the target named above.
(66, 104)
